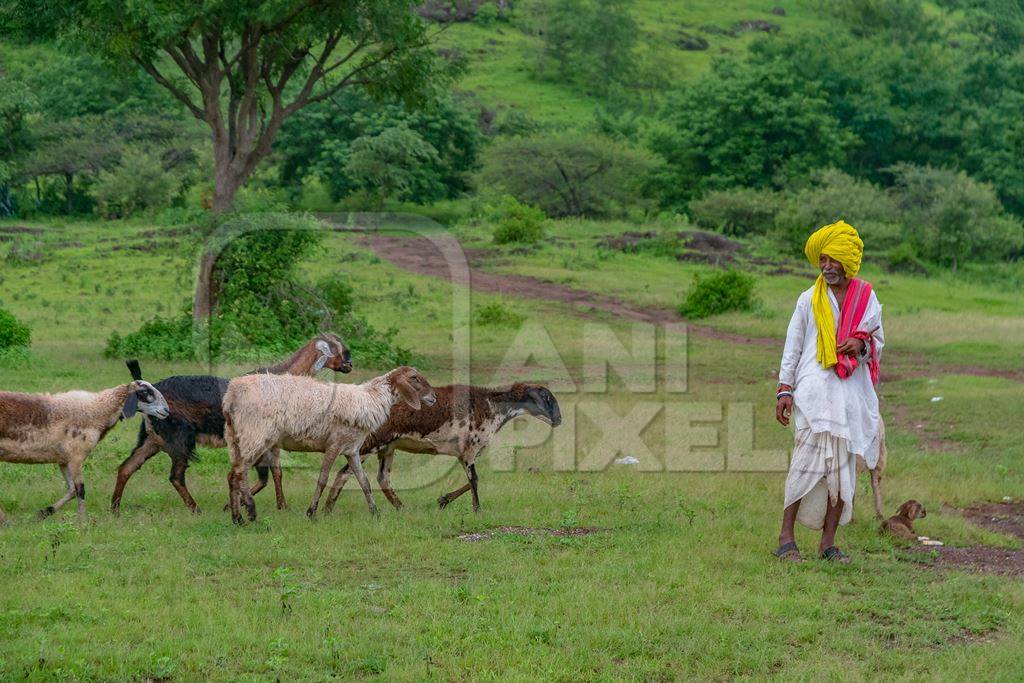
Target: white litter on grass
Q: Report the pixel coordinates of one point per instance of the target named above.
(628, 460)
(1007, 499)
(936, 399)
(929, 541)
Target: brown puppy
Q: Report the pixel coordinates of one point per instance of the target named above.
(901, 524)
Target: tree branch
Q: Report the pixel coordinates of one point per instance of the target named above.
(179, 94)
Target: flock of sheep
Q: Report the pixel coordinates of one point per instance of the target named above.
(281, 406)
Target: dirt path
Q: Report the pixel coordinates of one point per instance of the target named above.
(419, 255)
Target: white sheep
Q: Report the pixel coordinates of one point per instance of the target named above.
(63, 429)
(263, 412)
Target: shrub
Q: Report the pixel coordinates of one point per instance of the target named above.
(740, 211)
(720, 293)
(13, 334)
(904, 259)
(831, 195)
(497, 314)
(568, 174)
(139, 182)
(515, 222)
(159, 338)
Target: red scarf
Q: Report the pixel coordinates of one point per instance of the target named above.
(858, 294)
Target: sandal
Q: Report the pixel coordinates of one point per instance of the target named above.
(834, 554)
(789, 552)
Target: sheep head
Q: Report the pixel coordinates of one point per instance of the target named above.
(537, 400)
(411, 387)
(334, 355)
(145, 398)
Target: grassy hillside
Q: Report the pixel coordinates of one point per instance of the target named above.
(501, 56)
(677, 581)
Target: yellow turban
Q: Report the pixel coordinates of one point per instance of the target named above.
(840, 241)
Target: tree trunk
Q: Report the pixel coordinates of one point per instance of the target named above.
(225, 187)
(69, 178)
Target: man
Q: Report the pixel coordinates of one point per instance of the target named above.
(827, 383)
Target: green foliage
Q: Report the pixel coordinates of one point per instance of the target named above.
(568, 174)
(741, 211)
(515, 222)
(749, 124)
(830, 195)
(903, 258)
(159, 338)
(13, 334)
(433, 162)
(952, 219)
(588, 42)
(138, 183)
(497, 314)
(395, 163)
(719, 293)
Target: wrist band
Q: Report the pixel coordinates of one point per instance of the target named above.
(783, 393)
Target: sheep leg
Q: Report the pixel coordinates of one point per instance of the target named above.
(49, 510)
(384, 478)
(321, 483)
(355, 463)
(140, 454)
(177, 479)
(275, 470)
(471, 473)
(339, 483)
(76, 475)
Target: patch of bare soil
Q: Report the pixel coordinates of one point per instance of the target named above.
(1003, 518)
(927, 432)
(7, 233)
(968, 637)
(977, 559)
(419, 255)
(528, 531)
(709, 247)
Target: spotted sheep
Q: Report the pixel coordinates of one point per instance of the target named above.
(197, 418)
(461, 424)
(265, 412)
(63, 429)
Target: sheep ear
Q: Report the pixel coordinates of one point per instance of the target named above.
(408, 394)
(325, 352)
(131, 405)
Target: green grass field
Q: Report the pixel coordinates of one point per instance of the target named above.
(677, 582)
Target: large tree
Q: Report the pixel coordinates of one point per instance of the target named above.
(243, 68)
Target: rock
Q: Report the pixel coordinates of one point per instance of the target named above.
(741, 27)
(778, 11)
(628, 460)
(688, 41)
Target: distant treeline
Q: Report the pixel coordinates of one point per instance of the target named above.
(901, 118)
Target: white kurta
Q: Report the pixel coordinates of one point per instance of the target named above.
(835, 419)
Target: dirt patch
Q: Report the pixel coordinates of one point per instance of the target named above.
(419, 255)
(978, 559)
(627, 241)
(926, 432)
(566, 532)
(741, 27)
(20, 230)
(709, 247)
(968, 637)
(1004, 518)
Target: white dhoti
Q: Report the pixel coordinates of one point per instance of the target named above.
(822, 471)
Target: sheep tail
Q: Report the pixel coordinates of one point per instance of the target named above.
(133, 367)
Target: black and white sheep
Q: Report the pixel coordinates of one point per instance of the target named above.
(461, 424)
(196, 417)
(63, 429)
(264, 412)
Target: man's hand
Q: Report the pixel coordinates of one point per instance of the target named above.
(851, 346)
(783, 409)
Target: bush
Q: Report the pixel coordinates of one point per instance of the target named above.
(139, 182)
(497, 314)
(904, 259)
(831, 195)
(738, 212)
(720, 293)
(159, 338)
(515, 222)
(13, 334)
(568, 174)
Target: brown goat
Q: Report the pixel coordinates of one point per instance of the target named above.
(461, 424)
